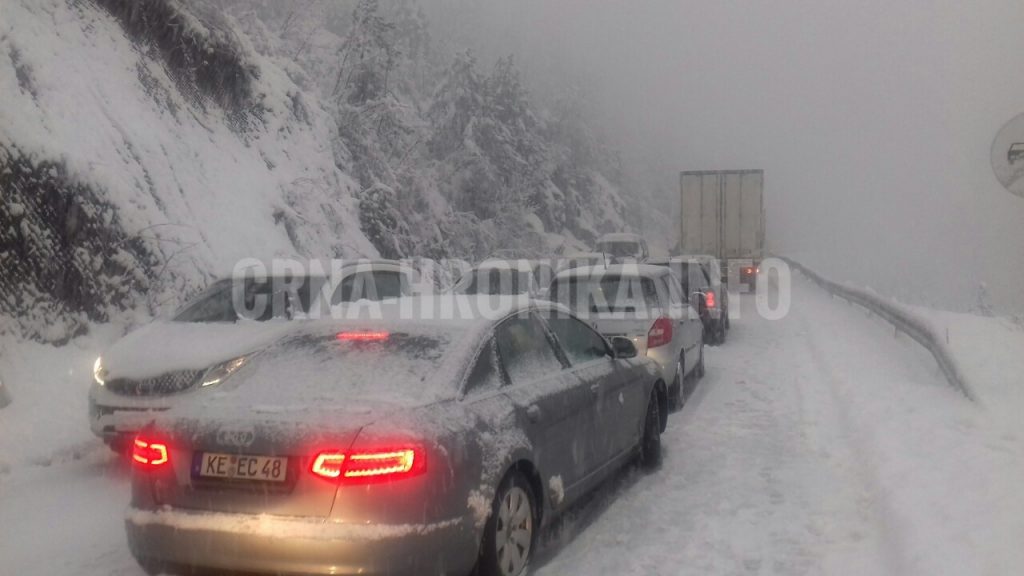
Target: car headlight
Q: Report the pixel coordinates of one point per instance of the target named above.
(99, 372)
(222, 371)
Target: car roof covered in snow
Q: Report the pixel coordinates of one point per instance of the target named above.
(316, 267)
(620, 237)
(662, 260)
(403, 353)
(518, 264)
(629, 269)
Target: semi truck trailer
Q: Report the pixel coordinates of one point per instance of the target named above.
(722, 215)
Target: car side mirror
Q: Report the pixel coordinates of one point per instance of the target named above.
(623, 347)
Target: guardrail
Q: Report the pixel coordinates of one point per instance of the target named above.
(905, 321)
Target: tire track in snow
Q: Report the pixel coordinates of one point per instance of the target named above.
(758, 478)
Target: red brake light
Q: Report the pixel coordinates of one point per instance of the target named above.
(370, 466)
(328, 464)
(709, 298)
(660, 333)
(381, 464)
(149, 454)
(363, 336)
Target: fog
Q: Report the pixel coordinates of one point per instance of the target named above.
(872, 120)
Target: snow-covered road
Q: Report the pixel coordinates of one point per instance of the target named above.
(820, 443)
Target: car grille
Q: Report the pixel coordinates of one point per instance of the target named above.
(169, 383)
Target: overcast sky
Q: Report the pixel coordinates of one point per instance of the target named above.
(872, 119)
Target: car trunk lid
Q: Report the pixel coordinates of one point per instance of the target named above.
(258, 465)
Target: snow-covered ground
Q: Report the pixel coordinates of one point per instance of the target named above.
(820, 443)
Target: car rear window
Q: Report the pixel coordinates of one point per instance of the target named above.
(369, 285)
(496, 281)
(620, 248)
(343, 364)
(605, 293)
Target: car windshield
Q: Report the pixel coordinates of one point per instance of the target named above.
(262, 300)
(690, 274)
(606, 293)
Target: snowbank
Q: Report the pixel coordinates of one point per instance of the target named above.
(47, 420)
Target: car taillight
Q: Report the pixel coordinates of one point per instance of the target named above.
(149, 454)
(709, 299)
(328, 464)
(660, 333)
(362, 336)
(369, 465)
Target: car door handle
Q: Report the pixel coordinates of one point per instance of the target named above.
(533, 413)
(595, 389)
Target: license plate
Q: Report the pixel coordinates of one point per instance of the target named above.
(242, 467)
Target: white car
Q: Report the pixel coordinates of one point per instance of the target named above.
(581, 259)
(642, 303)
(623, 246)
(154, 367)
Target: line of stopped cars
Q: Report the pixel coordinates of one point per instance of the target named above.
(419, 432)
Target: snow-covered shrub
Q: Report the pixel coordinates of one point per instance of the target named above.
(201, 50)
(63, 255)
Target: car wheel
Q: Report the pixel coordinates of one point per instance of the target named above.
(698, 370)
(675, 393)
(510, 531)
(650, 444)
(720, 332)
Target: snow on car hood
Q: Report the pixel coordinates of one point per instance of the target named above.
(164, 346)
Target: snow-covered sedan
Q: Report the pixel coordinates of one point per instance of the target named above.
(164, 362)
(394, 446)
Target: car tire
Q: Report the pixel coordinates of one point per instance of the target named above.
(720, 332)
(650, 443)
(698, 370)
(503, 553)
(676, 397)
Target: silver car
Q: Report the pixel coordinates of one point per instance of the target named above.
(643, 303)
(701, 276)
(393, 446)
(164, 362)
